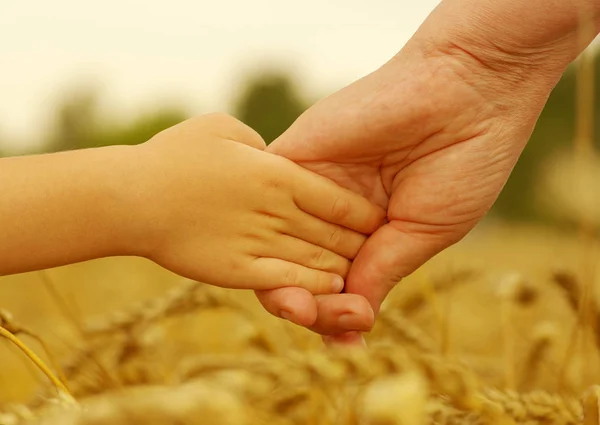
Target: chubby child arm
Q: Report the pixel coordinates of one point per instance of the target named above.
(200, 199)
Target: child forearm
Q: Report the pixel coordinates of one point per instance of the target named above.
(200, 199)
(68, 207)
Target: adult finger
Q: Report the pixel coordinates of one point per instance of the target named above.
(294, 304)
(324, 314)
(390, 254)
(340, 313)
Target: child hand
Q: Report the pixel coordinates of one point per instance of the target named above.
(225, 213)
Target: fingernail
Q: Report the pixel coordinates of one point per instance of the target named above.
(338, 284)
(286, 315)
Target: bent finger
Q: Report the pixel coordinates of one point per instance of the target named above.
(390, 254)
(340, 313)
(294, 304)
(335, 238)
(298, 251)
(231, 128)
(272, 273)
(324, 199)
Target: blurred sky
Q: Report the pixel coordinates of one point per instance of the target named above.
(144, 52)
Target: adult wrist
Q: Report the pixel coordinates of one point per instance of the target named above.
(509, 46)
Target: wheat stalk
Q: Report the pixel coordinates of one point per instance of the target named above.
(186, 297)
(60, 386)
(543, 337)
(10, 325)
(401, 328)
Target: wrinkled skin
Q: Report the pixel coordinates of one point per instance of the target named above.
(432, 137)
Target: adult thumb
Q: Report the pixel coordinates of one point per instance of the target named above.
(394, 251)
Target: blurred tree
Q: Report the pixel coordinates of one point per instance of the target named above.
(270, 103)
(141, 128)
(76, 121)
(555, 131)
(78, 124)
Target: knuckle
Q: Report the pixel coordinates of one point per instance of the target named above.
(220, 118)
(318, 257)
(216, 123)
(335, 237)
(291, 276)
(272, 183)
(236, 265)
(340, 209)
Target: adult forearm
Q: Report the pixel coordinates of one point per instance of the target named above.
(520, 42)
(64, 208)
(516, 24)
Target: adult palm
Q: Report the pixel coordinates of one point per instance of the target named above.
(427, 138)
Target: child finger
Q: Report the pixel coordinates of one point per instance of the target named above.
(335, 238)
(304, 253)
(321, 197)
(271, 273)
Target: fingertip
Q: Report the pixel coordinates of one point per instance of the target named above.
(293, 304)
(338, 284)
(341, 313)
(318, 282)
(300, 309)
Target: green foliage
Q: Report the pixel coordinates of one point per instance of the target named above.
(269, 104)
(141, 128)
(75, 121)
(79, 124)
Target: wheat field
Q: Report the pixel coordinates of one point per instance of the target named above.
(500, 329)
(504, 334)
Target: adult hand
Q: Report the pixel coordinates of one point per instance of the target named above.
(431, 136)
